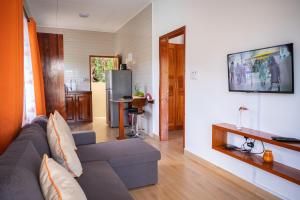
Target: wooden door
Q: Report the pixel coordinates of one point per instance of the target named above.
(167, 93)
(51, 52)
(84, 107)
(180, 95)
(163, 90)
(172, 86)
(176, 86)
(71, 108)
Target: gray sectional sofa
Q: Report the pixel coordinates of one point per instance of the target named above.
(109, 168)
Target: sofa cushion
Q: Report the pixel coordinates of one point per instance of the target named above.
(120, 152)
(38, 137)
(61, 149)
(19, 172)
(57, 183)
(99, 181)
(42, 121)
(84, 137)
(64, 127)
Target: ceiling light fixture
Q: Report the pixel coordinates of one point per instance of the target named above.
(84, 15)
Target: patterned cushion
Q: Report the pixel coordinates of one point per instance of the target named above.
(57, 183)
(61, 150)
(64, 127)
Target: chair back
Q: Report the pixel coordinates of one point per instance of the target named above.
(139, 103)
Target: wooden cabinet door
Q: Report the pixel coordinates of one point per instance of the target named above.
(51, 53)
(71, 108)
(84, 107)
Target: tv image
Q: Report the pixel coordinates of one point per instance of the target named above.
(268, 70)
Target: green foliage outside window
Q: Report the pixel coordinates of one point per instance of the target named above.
(99, 65)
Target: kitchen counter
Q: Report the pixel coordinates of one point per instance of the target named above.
(78, 92)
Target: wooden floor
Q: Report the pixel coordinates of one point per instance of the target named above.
(183, 176)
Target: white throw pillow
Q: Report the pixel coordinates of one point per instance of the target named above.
(64, 127)
(57, 183)
(61, 150)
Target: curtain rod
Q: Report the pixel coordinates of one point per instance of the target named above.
(26, 14)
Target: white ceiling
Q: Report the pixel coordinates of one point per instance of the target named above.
(105, 15)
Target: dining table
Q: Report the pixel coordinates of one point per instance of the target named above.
(121, 103)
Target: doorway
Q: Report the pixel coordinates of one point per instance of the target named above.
(98, 66)
(172, 84)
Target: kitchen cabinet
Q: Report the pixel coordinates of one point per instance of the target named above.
(79, 106)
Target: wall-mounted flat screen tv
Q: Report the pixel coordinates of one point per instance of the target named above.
(268, 70)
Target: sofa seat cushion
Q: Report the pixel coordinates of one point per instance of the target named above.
(18, 184)
(84, 137)
(36, 134)
(19, 172)
(99, 181)
(119, 153)
(21, 154)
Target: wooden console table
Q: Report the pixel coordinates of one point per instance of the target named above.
(219, 140)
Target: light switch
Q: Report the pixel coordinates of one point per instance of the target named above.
(194, 75)
(129, 57)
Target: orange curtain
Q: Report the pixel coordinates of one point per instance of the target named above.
(11, 70)
(37, 69)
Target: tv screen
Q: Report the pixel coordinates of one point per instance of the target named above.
(262, 70)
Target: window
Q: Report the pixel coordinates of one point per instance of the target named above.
(29, 110)
(101, 64)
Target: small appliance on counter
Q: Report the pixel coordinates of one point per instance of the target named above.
(123, 67)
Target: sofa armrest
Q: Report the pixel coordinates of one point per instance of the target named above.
(84, 137)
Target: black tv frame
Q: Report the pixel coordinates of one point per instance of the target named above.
(258, 91)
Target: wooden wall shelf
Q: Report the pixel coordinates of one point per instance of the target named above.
(219, 140)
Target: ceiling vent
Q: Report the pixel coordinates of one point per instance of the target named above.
(84, 15)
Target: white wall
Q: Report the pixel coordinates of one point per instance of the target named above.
(214, 29)
(135, 38)
(78, 46)
(99, 99)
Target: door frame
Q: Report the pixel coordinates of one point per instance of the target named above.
(163, 135)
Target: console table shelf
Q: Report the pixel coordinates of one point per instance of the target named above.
(219, 140)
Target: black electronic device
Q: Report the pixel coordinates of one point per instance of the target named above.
(269, 70)
(285, 139)
(123, 67)
(231, 147)
(127, 97)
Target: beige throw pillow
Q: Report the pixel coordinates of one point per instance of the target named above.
(61, 150)
(64, 127)
(57, 183)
